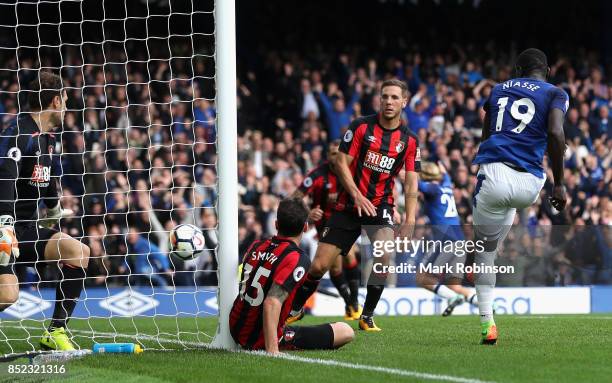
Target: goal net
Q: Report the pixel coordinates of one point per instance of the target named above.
(136, 155)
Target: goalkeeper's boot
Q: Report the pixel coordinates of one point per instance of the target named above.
(366, 323)
(352, 312)
(57, 339)
(489, 332)
(295, 316)
(452, 303)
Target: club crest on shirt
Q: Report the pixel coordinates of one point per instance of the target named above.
(399, 147)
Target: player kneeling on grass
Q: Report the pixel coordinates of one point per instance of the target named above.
(272, 271)
(26, 149)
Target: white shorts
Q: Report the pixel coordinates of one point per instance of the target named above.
(499, 192)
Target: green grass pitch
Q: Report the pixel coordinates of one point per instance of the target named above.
(561, 348)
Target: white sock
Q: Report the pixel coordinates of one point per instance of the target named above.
(485, 302)
(485, 282)
(444, 292)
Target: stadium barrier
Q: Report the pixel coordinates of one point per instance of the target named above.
(149, 302)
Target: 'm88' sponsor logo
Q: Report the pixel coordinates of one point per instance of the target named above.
(378, 160)
(41, 174)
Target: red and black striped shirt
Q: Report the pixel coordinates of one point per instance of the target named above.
(275, 260)
(321, 185)
(378, 156)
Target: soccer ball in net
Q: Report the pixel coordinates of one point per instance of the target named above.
(186, 241)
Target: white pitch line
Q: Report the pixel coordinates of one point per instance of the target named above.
(290, 357)
(366, 367)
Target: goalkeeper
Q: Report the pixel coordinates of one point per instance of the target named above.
(26, 150)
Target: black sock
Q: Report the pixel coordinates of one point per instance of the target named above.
(353, 277)
(67, 294)
(342, 286)
(305, 291)
(376, 285)
(374, 293)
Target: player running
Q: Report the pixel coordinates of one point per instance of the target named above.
(440, 208)
(26, 180)
(321, 186)
(272, 271)
(523, 119)
(372, 153)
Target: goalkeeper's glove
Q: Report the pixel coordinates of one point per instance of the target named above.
(54, 215)
(8, 240)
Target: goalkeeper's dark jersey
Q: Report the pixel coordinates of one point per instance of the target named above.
(25, 169)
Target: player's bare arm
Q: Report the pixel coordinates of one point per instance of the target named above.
(411, 186)
(363, 205)
(556, 149)
(271, 312)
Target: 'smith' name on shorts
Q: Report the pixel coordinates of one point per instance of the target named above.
(460, 268)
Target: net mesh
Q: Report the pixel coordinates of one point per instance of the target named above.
(134, 157)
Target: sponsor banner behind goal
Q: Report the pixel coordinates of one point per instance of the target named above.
(119, 302)
(146, 302)
(517, 301)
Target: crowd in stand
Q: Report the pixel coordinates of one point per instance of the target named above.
(137, 152)
(293, 106)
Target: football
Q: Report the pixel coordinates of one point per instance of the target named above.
(186, 241)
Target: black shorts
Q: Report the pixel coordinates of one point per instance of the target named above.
(8, 269)
(344, 227)
(32, 241)
(320, 337)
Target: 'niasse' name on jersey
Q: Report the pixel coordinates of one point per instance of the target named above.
(519, 123)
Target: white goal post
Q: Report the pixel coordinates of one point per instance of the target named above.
(227, 253)
(153, 125)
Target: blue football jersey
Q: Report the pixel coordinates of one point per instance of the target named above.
(518, 111)
(440, 205)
